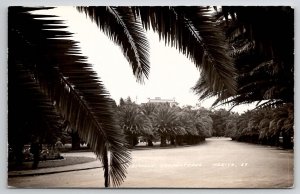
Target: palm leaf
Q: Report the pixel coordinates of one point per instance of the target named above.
(257, 38)
(121, 26)
(71, 84)
(193, 32)
(25, 97)
(133, 121)
(165, 120)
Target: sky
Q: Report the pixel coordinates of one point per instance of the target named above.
(172, 74)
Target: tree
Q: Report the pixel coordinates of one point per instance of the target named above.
(264, 126)
(282, 124)
(134, 123)
(242, 124)
(47, 66)
(204, 124)
(166, 124)
(122, 102)
(262, 44)
(187, 122)
(231, 126)
(148, 109)
(219, 118)
(197, 123)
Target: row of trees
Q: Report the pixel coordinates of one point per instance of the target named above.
(189, 125)
(162, 122)
(271, 126)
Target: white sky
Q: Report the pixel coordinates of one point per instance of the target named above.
(171, 73)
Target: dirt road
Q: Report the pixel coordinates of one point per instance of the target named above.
(218, 163)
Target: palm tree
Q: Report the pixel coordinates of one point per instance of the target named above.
(32, 109)
(219, 121)
(265, 134)
(166, 124)
(47, 66)
(260, 126)
(197, 125)
(231, 126)
(253, 129)
(186, 122)
(282, 124)
(262, 44)
(134, 123)
(148, 109)
(264, 126)
(204, 124)
(242, 124)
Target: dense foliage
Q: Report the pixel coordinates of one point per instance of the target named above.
(164, 123)
(273, 126)
(262, 45)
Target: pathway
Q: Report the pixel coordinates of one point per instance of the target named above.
(218, 163)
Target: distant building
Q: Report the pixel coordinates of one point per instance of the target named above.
(158, 100)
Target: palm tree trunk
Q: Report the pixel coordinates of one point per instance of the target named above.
(163, 140)
(133, 140)
(75, 141)
(172, 140)
(178, 140)
(105, 167)
(150, 143)
(287, 141)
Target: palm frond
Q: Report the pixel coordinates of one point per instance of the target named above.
(133, 121)
(120, 25)
(148, 109)
(70, 83)
(265, 69)
(192, 31)
(35, 112)
(166, 120)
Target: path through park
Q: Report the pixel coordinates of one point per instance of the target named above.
(217, 163)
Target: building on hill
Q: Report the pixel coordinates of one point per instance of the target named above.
(159, 100)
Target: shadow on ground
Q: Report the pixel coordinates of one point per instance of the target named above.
(52, 163)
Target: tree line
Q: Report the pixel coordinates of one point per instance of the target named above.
(164, 123)
(267, 126)
(149, 122)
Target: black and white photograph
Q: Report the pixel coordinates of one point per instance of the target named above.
(172, 96)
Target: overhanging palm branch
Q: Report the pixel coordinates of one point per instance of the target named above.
(120, 24)
(190, 29)
(35, 112)
(261, 42)
(194, 33)
(43, 48)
